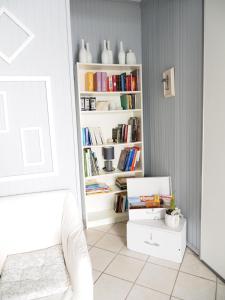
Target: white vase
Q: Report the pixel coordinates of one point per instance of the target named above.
(105, 55)
(131, 58)
(172, 221)
(121, 56)
(110, 53)
(82, 53)
(89, 55)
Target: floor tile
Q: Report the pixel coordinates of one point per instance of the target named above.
(220, 294)
(189, 251)
(96, 275)
(134, 254)
(142, 293)
(111, 288)
(111, 242)
(125, 267)
(100, 258)
(119, 229)
(192, 265)
(189, 287)
(158, 278)
(164, 263)
(93, 236)
(104, 228)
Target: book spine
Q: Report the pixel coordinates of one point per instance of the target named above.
(87, 103)
(114, 83)
(97, 82)
(109, 84)
(89, 81)
(104, 81)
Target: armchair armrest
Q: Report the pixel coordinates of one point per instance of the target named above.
(79, 266)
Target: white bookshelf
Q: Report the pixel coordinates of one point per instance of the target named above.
(99, 208)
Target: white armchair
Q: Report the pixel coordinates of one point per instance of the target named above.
(38, 221)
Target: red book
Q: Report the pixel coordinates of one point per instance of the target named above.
(114, 83)
(128, 83)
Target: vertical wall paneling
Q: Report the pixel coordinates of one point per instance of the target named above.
(96, 20)
(172, 36)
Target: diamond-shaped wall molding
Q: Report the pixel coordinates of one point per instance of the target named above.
(30, 36)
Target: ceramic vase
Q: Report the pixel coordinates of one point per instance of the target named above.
(172, 221)
(82, 53)
(110, 53)
(105, 55)
(121, 56)
(131, 58)
(89, 55)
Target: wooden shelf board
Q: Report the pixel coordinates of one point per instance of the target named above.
(105, 217)
(113, 144)
(118, 93)
(119, 111)
(98, 66)
(114, 190)
(116, 172)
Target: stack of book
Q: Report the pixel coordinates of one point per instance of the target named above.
(128, 101)
(121, 203)
(121, 182)
(101, 82)
(92, 136)
(124, 133)
(96, 188)
(129, 159)
(91, 167)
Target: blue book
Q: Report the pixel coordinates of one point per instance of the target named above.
(83, 137)
(123, 82)
(130, 160)
(86, 136)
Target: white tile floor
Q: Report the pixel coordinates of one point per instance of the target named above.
(121, 274)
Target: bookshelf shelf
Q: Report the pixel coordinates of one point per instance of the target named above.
(100, 124)
(116, 172)
(106, 216)
(114, 145)
(124, 111)
(114, 190)
(109, 93)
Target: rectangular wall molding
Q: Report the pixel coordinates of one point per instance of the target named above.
(4, 121)
(32, 146)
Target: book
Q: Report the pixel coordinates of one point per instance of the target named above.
(104, 81)
(98, 82)
(89, 81)
(123, 82)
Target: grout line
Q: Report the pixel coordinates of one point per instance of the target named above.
(216, 287)
(178, 271)
(185, 272)
(131, 288)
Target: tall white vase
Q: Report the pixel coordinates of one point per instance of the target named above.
(105, 55)
(131, 58)
(89, 55)
(121, 55)
(82, 53)
(110, 53)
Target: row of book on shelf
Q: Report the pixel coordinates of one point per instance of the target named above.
(127, 101)
(123, 133)
(129, 161)
(103, 82)
(93, 187)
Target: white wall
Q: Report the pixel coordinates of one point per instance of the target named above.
(213, 199)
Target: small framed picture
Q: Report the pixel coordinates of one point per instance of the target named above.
(169, 83)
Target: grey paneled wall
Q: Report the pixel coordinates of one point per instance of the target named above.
(96, 20)
(172, 36)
